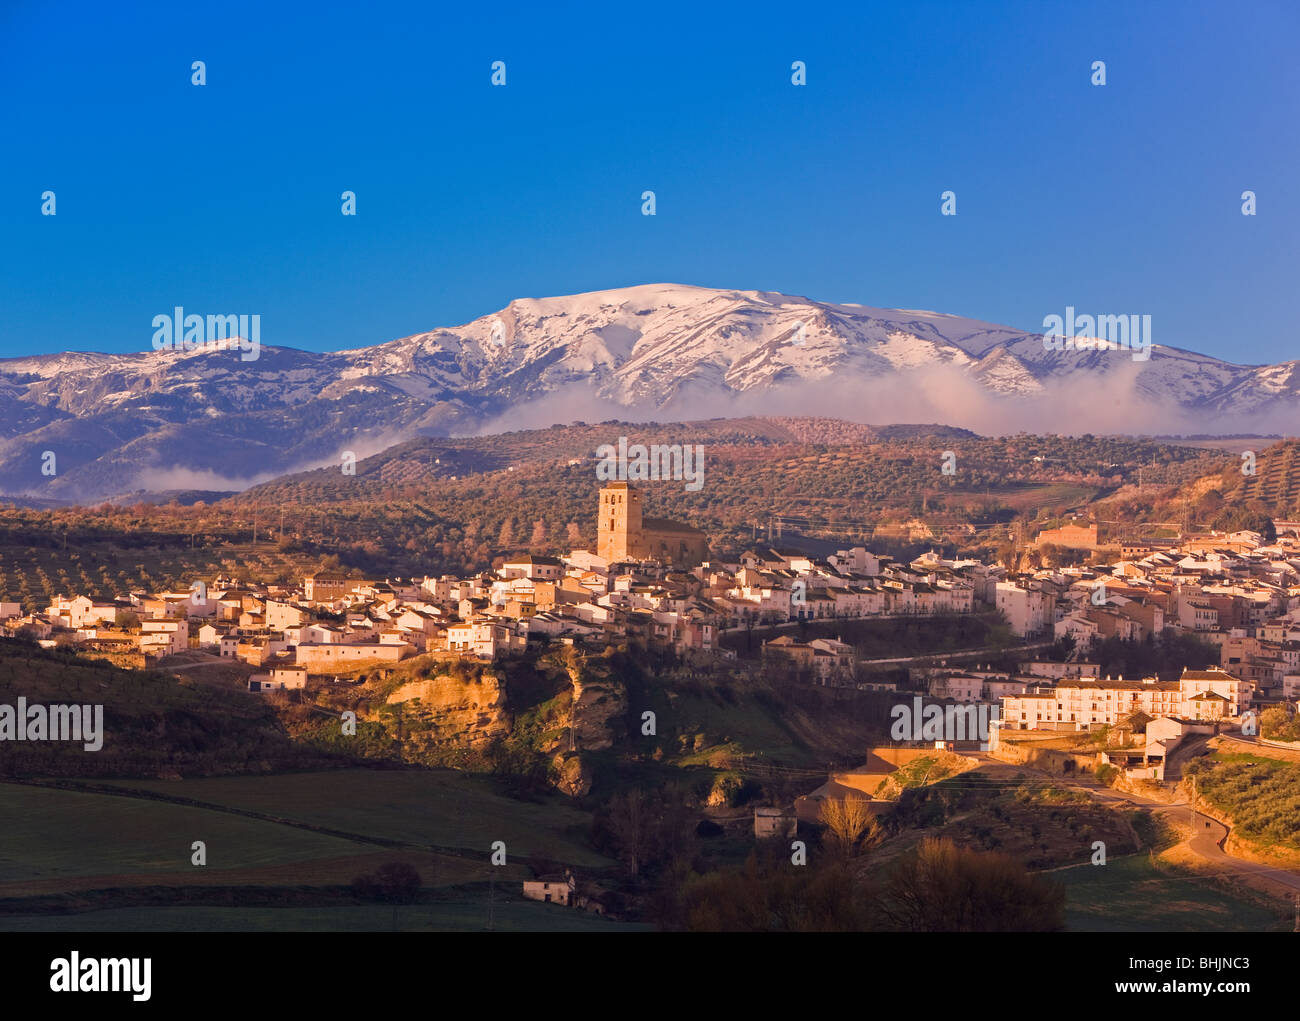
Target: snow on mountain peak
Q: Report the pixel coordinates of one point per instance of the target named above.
(659, 350)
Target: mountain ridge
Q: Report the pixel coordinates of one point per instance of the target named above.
(161, 420)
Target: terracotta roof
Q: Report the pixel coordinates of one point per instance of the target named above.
(665, 525)
(1207, 675)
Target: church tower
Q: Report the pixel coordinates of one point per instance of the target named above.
(618, 525)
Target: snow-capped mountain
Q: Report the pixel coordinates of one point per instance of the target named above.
(211, 420)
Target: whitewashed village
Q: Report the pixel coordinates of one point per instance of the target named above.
(651, 582)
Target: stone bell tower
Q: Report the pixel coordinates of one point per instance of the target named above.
(618, 525)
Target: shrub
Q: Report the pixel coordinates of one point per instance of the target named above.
(394, 882)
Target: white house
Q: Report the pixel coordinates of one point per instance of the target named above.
(281, 678)
(483, 638)
(534, 567)
(1029, 610)
(164, 637)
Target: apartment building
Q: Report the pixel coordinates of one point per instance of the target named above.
(1081, 704)
(1029, 610)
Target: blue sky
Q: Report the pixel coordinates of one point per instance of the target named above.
(225, 198)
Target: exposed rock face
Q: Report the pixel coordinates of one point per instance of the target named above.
(599, 703)
(572, 774)
(455, 712)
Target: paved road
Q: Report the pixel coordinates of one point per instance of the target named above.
(1206, 841)
(196, 666)
(959, 652)
(785, 624)
(1256, 747)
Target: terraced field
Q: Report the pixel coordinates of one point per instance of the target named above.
(1277, 477)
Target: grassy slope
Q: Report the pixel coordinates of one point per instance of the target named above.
(130, 860)
(57, 833)
(1130, 894)
(152, 724)
(437, 808)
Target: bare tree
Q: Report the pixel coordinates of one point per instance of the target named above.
(629, 823)
(940, 887)
(847, 819)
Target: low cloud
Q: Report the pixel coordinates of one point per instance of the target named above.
(158, 480)
(1099, 398)
(165, 479)
(1109, 403)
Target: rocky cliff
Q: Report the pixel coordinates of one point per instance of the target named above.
(447, 710)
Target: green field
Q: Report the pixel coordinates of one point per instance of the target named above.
(433, 808)
(1129, 894)
(83, 860)
(457, 916)
(53, 834)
